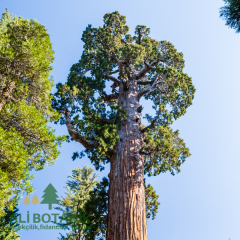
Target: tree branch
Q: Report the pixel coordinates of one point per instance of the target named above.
(145, 83)
(112, 54)
(13, 99)
(123, 41)
(119, 62)
(105, 121)
(143, 152)
(148, 88)
(109, 98)
(151, 126)
(111, 73)
(113, 79)
(76, 135)
(6, 94)
(148, 67)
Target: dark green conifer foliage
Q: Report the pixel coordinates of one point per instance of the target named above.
(152, 204)
(231, 14)
(9, 225)
(93, 114)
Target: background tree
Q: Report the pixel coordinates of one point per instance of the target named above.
(50, 196)
(231, 14)
(9, 225)
(79, 191)
(109, 124)
(26, 140)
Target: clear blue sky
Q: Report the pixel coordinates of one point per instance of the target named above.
(203, 201)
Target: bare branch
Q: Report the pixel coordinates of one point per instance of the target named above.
(148, 67)
(13, 99)
(105, 121)
(111, 73)
(113, 79)
(123, 41)
(145, 83)
(76, 135)
(119, 62)
(143, 152)
(81, 139)
(149, 88)
(94, 135)
(151, 126)
(109, 98)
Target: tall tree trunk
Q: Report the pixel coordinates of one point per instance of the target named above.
(126, 213)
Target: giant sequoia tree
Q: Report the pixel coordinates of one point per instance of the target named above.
(231, 14)
(26, 140)
(109, 124)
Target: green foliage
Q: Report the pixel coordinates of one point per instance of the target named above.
(26, 140)
(26, 56)
(231, 14)
(94, 115)
(151, 201)
(89, 198)
(79, 192)
(98, 206)
(164, 151)
(85, 96)
(9, 224)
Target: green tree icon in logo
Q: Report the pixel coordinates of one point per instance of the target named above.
(50, 196)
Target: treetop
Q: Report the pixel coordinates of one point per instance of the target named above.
(112, 55)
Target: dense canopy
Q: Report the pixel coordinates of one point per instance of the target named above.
(93, 114)
(26, 140)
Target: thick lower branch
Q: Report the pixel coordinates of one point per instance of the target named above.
(76, 135)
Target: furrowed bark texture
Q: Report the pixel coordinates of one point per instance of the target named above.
(126, 213)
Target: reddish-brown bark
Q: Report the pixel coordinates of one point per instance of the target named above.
(126, 213)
